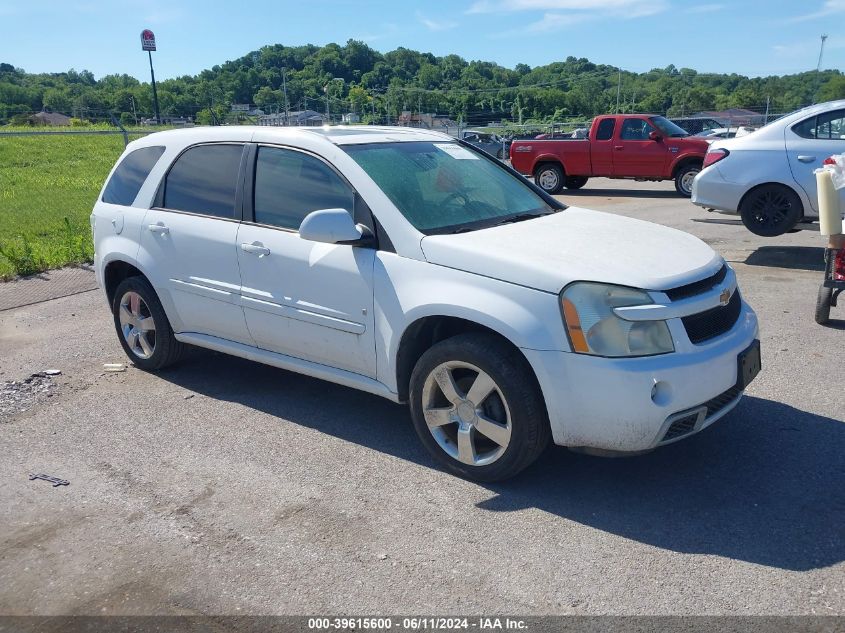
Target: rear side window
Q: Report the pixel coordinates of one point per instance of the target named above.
(127, 179)
(204, 180)
(289, 185)
(605, 131)
(827, 126)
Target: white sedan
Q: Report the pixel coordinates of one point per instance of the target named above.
(768, 176)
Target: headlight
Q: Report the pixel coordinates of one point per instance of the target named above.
(594, 328)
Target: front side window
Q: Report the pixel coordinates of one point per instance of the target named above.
(289, 185)
(827, 126)
(444, 187)
(204, 180)
(635, 130)
(133, 170)
(669, 129)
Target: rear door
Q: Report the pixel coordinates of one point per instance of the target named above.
(189, 239)
(635, 154)
(601, 147)
(808, 143)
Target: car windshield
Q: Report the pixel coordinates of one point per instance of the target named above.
(444, 187)
(668, 128)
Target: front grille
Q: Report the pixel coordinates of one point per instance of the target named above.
(711, 323)
(698, 287)
(681, 427)
(686, 424)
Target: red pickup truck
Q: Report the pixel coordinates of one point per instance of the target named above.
(638, 146)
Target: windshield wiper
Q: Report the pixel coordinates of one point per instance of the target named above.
(524, 216)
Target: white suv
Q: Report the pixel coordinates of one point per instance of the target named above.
(410, 265)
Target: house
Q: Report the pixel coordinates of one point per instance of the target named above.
(427, 121)
(351, 117)
(50, 118)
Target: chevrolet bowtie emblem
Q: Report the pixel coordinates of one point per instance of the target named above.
(725, 297)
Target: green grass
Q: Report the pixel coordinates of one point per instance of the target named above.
(48, 185)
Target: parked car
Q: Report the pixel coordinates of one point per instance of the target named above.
(768, 176)
(635, 146)
(725, 132)
(412, 266)
(694, 125)
(493, 144)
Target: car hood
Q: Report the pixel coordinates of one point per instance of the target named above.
(549, 252)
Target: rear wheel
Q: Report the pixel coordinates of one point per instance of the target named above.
(575, 182)
(142, 326)
(771, 210)
(477, 408)
(684, 178)
(549, 178)
(823, 304)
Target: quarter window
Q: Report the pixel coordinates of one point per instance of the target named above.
(289, 185)
(133, 170)
(605, 131)
(204, 180)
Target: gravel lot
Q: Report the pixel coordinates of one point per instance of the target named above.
(225, 487)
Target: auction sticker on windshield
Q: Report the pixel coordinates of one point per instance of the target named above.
(456, 151)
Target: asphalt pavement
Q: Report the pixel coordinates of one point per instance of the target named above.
(221, 486)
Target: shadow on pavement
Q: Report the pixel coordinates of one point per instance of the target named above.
(765, 485)
(795, 257)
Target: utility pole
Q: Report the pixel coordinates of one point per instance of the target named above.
(285, 89)
(618, 90)
(821, 52)
(819, 69)
(768, 101)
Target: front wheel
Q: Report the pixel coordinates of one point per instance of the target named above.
(477, 408)
(575, 182)
(684, 178)
(549, 178)
(771, 210)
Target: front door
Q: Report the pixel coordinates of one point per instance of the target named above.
(188, 242)
(304, 299)
(635, 154)
(808, 143)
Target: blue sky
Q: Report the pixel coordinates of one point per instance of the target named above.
(752, 37)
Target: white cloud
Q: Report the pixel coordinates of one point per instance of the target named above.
(829, 7)
(435, 25)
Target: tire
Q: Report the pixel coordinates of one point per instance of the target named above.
(134, 302)
(500, 154)
(684, 178)
(549, 178)
(512, 411)
(575, 182)
(823, 305)
(771, 210)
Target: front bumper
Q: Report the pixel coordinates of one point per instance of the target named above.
(607, 403)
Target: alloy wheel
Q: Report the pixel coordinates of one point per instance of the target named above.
(137, 325)
(466, 413)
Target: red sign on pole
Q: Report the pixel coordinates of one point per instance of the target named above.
(148, 40)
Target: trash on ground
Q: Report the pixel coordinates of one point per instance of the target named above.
(53, 480)
(114, 367)
(52, 372)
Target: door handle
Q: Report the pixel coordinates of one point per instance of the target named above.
(806, 159)
(619, 147)
(158, 228)
(256, 248)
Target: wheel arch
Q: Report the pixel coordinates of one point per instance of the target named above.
(547, 159)
(118, 269)
(776, 183)
(426, 331)
(683, 161)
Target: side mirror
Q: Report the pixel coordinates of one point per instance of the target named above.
(655, 136)
(333, 226)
